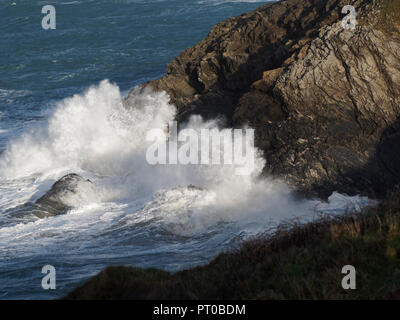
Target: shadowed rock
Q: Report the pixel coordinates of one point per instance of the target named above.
(54, 202)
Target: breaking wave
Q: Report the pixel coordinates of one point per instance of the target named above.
(167, 216)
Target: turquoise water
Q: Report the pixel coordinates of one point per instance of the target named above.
(127, 42)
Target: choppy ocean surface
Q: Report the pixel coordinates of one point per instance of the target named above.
(59, 114)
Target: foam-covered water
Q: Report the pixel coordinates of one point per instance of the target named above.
(58, 116)
(171, 216)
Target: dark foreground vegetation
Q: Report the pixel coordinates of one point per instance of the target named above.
(293, 262)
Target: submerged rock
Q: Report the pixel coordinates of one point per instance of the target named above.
(194, 187)
(55, 201)
(324, 101)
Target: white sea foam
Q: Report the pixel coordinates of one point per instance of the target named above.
(95, 135)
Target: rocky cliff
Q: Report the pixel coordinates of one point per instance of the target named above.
(324, 100)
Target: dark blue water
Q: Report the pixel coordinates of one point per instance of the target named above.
(127, 42)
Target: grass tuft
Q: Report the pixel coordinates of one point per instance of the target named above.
(384, 14)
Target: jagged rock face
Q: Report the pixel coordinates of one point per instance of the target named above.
(340, 93)
(54, 201)
(324, 100)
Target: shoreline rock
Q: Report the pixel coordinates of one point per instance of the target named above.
(53, 201)
(324, 101)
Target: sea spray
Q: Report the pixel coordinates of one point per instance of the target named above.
(166, 216)
(96, 135)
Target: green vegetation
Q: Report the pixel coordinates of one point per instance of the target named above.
(294, 262)
(385, 15)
